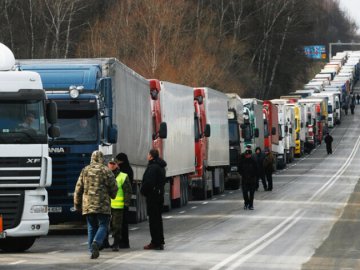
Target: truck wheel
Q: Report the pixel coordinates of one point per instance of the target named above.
(18, 244)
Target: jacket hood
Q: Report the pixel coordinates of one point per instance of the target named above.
(160, 161)
(97, 157)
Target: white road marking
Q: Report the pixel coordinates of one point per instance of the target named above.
(182, 212)
(17, 262)
(194, 207)
(168, 217)
(214, 199)
(205, 202)
(133, 229)
(84, 244)
(57, 251)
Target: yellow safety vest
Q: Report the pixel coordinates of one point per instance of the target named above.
(118, 202)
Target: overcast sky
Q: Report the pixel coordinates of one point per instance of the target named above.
(353, 9)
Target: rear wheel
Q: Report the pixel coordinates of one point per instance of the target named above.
(18, 244)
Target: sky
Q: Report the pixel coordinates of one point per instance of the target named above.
(353, 9)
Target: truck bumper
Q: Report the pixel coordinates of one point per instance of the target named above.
(34, 220)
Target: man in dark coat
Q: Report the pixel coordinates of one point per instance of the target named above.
(259, 158)
(269, 168)
(153, 189)
(328, 141)
(248, 171)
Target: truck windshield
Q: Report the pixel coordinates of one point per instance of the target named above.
(79, 127)
(234, 136)
(22, 122)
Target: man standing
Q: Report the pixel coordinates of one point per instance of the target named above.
(259, 158)
(94, 188)
(269, 168)
(328, 141)
(125, 167)
(248, 171)
(153, 189)
(122, 200)
(358, 98)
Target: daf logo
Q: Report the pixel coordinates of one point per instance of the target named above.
(56, 150)
(33, 160)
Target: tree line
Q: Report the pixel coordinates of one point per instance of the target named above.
(251, 47)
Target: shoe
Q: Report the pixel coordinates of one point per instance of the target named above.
(154, 247)
(95, 250)
(115, 248)
(251, 207)
(245, 207)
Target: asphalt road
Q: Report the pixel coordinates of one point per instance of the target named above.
(309, 221)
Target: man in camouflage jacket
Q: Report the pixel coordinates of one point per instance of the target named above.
(94, 188)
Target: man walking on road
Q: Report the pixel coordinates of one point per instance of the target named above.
(328, 141)
(248, 171)
(358, 98)
(94, 188)
(153, 189)
(269, 168)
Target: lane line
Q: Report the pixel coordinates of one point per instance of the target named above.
(256, 242)
(17, 262)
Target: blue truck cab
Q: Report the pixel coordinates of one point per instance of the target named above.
(84, 100)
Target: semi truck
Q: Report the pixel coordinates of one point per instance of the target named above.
(253, 128)
(114, 101)
(173, 135)
(236, 120)
(271, 127)
(26, 168)
(215, 153)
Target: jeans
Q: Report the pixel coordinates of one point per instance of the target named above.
(97, 228)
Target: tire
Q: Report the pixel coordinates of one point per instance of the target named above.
(18, 244)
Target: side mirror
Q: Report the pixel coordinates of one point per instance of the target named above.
(51, 112)
(163, 130)
(54, 131)
(273, 131)
(290, 130)
(286, 129)
(302, 125)
(256, 133)
(112, 134)
(280, 137)
(207, 131)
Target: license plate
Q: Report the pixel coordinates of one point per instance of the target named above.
(55, 209)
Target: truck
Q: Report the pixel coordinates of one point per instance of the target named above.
(253, 128)
(236, 120)
(172, 112)
(26, 168)
(283, 154)
(107, 95)
(214, 154)
(271, 127)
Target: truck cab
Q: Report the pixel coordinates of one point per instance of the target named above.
(26, 121)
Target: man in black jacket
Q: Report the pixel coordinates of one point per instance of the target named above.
(153, 189)
(248, 171)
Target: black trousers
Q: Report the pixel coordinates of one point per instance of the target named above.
(269, 180)
(154, 209)
(248, 190)
(125, 228)
(328, 148)
(263, 181)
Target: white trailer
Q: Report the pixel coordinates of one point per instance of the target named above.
(216, 108)
(177, 111)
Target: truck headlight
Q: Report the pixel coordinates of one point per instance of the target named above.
(233, 168)
(38, 209)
